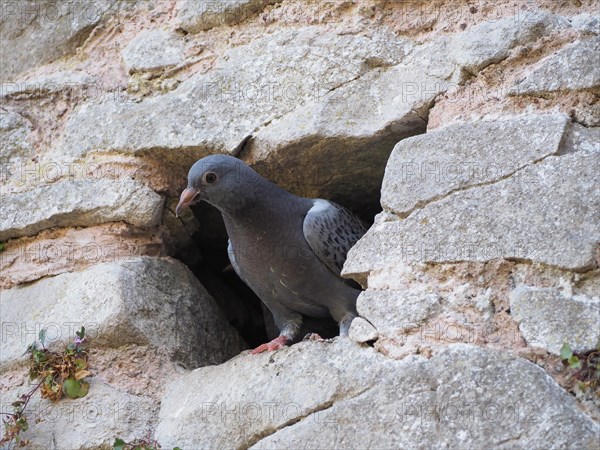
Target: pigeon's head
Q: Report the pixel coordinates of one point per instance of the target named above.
(221, 180)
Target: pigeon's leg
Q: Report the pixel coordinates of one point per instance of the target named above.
(287, 334)
(345, 324)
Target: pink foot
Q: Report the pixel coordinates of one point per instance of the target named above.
(275, 344)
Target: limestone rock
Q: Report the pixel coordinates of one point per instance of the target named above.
(491, 41)
(395, 311)
(144, 301)
(83, 203)
(250, 85)
(362, 331)
(195, 16)
(464, 397)
(93, 421)
(234, 410)
(59, 250)
(344, 140)
(59, 29)
(576, 66)
(548, 318)
(547, 212)
(586, 22)
(582, 139)
(152, 50)
(48, 84)
(14, 129)
(430, 166)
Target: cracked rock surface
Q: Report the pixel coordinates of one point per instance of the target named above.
(463, 211)
(341, 395)
(136, 301)
(468, 132)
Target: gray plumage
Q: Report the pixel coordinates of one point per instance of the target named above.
(289, 250)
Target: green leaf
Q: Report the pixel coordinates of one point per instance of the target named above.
(22, 424)
(75, 389)
(42, 336)
(574, 362)
(176, 448)
(39, 356)
(2, 247)
(119, 444)
(80, 363)
(565, 352)
(81, 333)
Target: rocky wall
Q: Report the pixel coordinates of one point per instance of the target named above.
(470, 128)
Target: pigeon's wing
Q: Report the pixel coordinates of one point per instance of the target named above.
(331, 231)
(232, 260)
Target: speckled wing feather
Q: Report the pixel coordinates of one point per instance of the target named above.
(331, 231)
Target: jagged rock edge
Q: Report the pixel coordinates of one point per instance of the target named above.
(422, 204)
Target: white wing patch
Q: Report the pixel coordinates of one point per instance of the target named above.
(320, 206)
(331, 231)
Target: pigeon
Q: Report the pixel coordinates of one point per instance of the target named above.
(289, 250)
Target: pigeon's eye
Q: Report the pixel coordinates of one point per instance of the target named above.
(209, 177)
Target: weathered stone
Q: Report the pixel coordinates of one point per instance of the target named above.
(152, 50)
(548, 318)
(431, 58)
(316, 374)
(47, 84)
(59, 29)
(347, 154)
(465, 397)
(249, 86)
(144, 300)
(93, 421)
(576, 66)
(547, 212)
(83, 203)
(430, 166)
(491, 41)
(60, 250)
(194, 16)
(395, 311)
(323, 91)
(14, 129)
(362, 331)
(582, 139)
(586, 22)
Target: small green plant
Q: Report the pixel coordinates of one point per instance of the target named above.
(60, 373)
(2, 247)
(57, 374)
(566, 354)
(138, 444)
(584, 367)
(16, 422)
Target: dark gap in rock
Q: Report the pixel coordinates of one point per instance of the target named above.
(242, 308)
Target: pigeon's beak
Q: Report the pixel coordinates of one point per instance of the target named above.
(187, 198)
